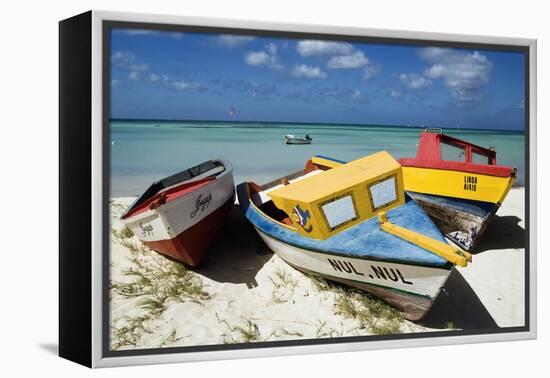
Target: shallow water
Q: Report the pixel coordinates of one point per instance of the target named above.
(145, 151)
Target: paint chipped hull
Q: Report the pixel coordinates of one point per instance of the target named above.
(462, 221)
(409, 288)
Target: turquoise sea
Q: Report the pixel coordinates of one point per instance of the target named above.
(145, 151)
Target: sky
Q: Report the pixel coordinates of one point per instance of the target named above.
(201, 76)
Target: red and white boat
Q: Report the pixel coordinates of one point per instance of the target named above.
(180, 215)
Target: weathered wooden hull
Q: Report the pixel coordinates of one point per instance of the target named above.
(409, 288)
(462, 221)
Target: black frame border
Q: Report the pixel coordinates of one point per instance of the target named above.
(106, 27)
(75, 189)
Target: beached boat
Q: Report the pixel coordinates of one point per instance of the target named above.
(180, 215)
(458, 184)
(291, 139)
(354, 224)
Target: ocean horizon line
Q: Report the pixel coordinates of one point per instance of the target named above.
(328, 124)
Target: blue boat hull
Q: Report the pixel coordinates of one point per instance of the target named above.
(363, 256)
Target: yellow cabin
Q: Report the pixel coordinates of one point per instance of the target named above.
(326, 203)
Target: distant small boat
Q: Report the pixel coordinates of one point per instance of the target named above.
(458, 184)
(353, 223)
(180, 215)
(291, 139)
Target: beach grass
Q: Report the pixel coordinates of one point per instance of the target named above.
(283, 286)
(154, 281)
(371, 313)
(246, 333)
(129, 334)
(169, 340)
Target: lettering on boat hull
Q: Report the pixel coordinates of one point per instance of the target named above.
(416, 280)
(470, 183)
(377, 272)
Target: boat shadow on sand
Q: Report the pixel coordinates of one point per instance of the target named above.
(503, 232)
(459, 306)
(237, 254)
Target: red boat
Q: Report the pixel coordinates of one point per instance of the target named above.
(180, 215)
(458, 183)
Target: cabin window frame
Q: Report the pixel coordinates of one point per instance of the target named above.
(487, 158)
(336, 198)
(464, 148)
(387, 204)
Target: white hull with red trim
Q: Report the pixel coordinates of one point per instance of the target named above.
(174, 226)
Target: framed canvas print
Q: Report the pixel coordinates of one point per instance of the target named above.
(232, 189)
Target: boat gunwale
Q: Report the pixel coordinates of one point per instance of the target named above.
(140, 205)
(467, 167)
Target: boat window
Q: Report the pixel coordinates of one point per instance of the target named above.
(479, 158)
(451, 152)
(339, 211)
(383, 193)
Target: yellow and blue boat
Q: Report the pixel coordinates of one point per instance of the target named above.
(458, 184)
(353, 223)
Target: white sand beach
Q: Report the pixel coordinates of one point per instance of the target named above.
(245, 293)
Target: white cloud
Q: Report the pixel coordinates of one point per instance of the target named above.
(122, 58)
(338, 55)
(179, 85)
(435, 71)
(138, 71)
(317, 48)
(371, 71)
(134, 75)
(309, 72)
(464, 74)
(271, 48)
(115, 83)
(268, 57)
(154, 77)
(230, 40)
(142, 67)
(257, 58)
(355, 60)
(127, 60)
(320, 94)
(182, 85)
(433, 53)
(414, 81)
(396, 93)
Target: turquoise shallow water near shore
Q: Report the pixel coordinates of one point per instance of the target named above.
(145, 151)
